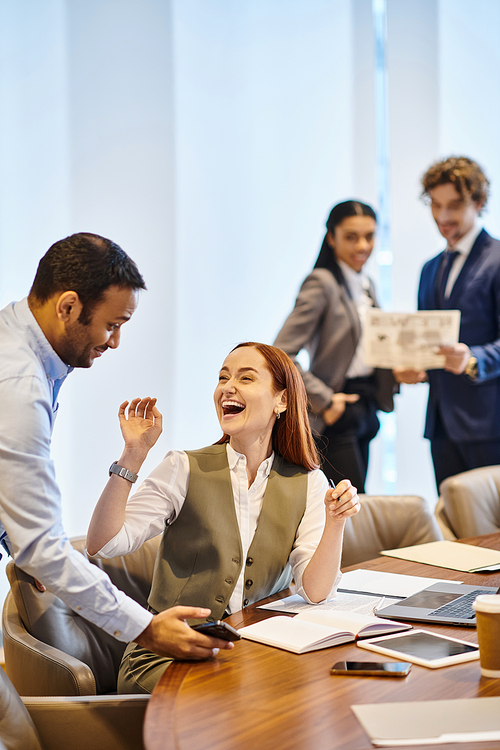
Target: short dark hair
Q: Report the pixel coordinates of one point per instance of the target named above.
(87, 264)
(465, 175)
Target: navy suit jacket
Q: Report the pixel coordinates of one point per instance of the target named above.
(470, 410)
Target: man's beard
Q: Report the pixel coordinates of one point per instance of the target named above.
(74, 347)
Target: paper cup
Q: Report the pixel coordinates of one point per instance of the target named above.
(487, 609)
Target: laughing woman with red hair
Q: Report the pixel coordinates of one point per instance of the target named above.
(239, 518)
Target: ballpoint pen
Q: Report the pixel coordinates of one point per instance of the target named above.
(379, 605)
(332, 484)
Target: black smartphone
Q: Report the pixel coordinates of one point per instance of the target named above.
(218, 629)
(372, 668)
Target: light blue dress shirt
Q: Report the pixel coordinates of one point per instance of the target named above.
(31, 374)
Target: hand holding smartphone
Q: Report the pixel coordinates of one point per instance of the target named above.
(218, 629)
(372, 668)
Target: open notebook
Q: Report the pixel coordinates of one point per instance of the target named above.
(313, 630)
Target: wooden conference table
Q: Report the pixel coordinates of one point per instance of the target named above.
(257, 698)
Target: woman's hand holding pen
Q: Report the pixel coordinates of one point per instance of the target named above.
(342, 500)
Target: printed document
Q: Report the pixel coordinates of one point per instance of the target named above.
(408, 340)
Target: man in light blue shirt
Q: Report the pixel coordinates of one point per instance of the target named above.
(85, 289)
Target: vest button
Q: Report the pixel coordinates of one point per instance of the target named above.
(245, 602)
(219, 599)
(248, 583)
(249, 561)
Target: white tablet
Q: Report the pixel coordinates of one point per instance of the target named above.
(424, 648)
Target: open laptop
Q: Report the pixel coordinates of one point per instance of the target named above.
(445, 603)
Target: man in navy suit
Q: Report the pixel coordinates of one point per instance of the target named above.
(463, 412)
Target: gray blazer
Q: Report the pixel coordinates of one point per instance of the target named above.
(325, 322)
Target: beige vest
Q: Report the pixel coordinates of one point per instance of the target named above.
(200, 556)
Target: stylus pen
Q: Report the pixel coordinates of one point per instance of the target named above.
(332, 484)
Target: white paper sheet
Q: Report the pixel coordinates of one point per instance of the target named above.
(385, 584)
(408, 340)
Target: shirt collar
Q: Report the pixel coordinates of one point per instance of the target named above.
(358, 282)
(465, 243)
(53, 365)
(233, 458)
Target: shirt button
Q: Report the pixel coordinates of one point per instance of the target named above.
(248, 583)
(78, 608)
(249, 561)
(245, 602)
(117, 633)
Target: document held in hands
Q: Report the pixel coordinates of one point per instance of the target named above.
(408, 340)
(311, 631)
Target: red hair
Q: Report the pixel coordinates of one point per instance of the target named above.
(291, 436)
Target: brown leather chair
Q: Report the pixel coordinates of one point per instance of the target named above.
(84, 723)
(469, 503)
(50, 649)
(387, 522)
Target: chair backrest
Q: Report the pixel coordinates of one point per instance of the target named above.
(387, 522)
(17, 731)
(49, 620)
(472, 501)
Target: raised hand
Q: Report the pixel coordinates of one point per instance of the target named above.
(141, 424)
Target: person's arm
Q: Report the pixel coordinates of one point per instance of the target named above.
(141, 426)
(317, 551)
(324, 566)
(30, 511)
(298, 331)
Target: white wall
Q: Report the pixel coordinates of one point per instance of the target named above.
(210, 139)
(264, 133)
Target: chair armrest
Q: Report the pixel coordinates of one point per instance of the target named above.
(443, 521)
(472, 501)
(89, 722)
(34, 667)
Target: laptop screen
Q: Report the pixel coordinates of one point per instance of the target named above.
(430, 599)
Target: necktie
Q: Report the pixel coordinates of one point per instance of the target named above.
(442, 277)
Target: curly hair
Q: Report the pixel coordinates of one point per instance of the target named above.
(465, 175)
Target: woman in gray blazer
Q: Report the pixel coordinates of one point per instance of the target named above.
(344, 393)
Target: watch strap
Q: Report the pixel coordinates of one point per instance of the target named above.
(121, 471)
(471, 368)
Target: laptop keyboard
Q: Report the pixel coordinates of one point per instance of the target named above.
(461, 607)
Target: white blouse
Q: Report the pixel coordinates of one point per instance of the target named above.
(161, 497)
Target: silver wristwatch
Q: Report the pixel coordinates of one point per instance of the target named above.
(122, 472)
